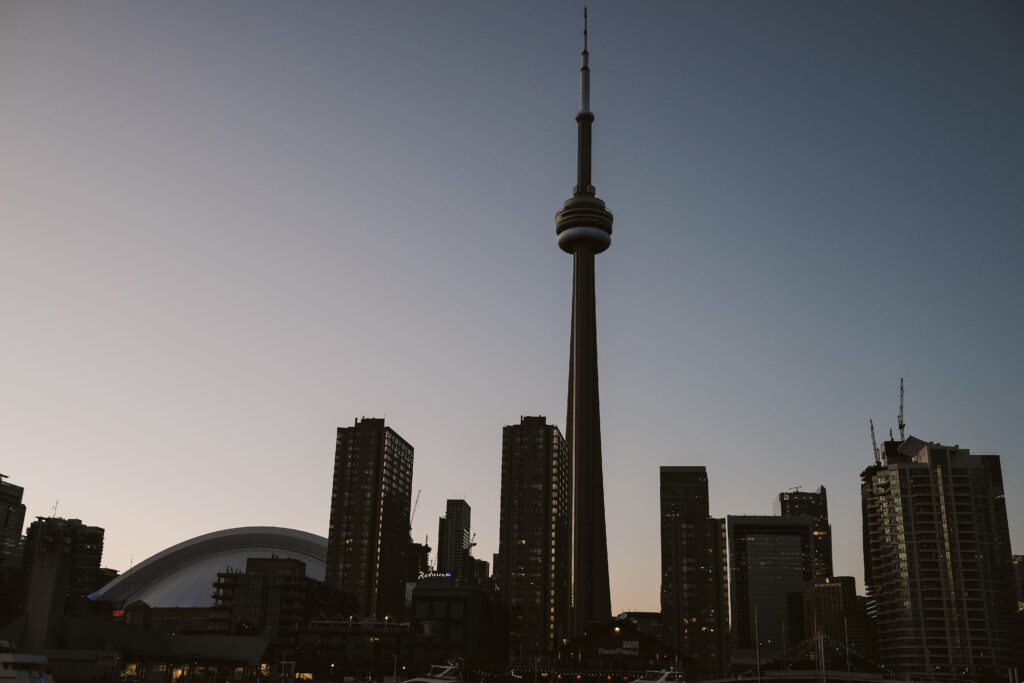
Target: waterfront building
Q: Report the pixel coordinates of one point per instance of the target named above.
(813, 504)
(584, 229)
(368, 535)
(694, 582)
(453, 539)
(532, 567)
(770, 560)
(937, 558)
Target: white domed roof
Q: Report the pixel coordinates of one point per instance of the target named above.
(184, 574)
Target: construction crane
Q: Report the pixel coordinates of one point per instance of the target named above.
(412, 515)
(899, 420)
(874, 444)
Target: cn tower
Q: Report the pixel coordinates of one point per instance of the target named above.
(584, 229)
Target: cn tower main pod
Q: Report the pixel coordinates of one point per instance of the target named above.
(584, 229)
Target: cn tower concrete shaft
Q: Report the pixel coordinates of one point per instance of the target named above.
(584, 229)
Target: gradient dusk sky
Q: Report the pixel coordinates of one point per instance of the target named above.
(230, 227)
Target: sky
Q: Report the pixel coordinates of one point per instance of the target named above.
(227, 229)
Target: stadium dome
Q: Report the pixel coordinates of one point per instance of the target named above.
(183, 575)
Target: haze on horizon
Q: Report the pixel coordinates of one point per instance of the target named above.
(230, 228)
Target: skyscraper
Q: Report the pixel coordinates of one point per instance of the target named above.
(770, 559)
(61, 565)
(532, 566)
(813, 504)
(937, 558)
(694, 584)
(584, 229)
(453, 538)
(369, 528)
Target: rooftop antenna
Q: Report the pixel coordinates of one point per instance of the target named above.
(874, 444)
(899, 420)
(55, 504)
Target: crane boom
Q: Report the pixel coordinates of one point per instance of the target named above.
(412, 515)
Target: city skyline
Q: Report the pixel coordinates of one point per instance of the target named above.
(230, 230)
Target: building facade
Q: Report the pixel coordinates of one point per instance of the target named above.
(813, 504)
(833, 609)
(368, 536)
(770, 560)
(12, 520)
(694, 580)
(62, 566)
(937, 558)
(273, 597)
(453, 539)
(533, 561)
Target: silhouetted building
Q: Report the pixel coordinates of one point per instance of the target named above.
(584, 229)
(61, 566)
(770, 559)
(12, 519)
(459, 623)
(1018, 577)
(694, 583)
(272, 597)
(453, 539)
(533, 562)
(937, 558)
(650, 624)
(617, 645)
(833, 608)
(813, 504)
(369, 530)
(481, 570)
(417, 560)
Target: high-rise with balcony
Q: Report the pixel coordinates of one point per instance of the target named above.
(694, 583)
(532, 567)
(369, 528)
(937, 558)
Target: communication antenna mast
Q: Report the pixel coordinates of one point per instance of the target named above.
(874, 444)
(55, 504)
(899, 420)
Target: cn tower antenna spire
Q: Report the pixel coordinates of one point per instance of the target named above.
(584, 30)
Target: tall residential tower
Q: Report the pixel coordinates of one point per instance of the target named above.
(369, 530)
(584, 229)
(937, 558)
(694, 582)
(532, 566)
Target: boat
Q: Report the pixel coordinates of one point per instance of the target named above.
(21, 668)
(661, 677)
(440, 673)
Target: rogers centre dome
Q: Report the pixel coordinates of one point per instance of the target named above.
(184, 574)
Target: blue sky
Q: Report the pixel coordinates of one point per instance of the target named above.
(230, 228)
